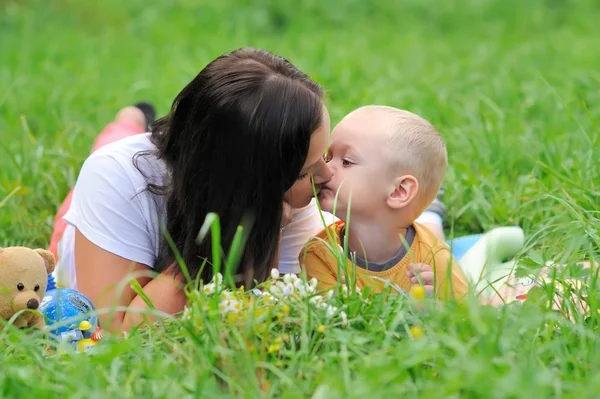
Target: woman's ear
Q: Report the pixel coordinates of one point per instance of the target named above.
(405, 189)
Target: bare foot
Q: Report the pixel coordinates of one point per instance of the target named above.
(132, 115)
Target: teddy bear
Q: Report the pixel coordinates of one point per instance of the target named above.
(23, 280)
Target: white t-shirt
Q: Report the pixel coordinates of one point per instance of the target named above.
(112, 208)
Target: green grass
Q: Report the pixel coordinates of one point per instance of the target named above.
(512, 85)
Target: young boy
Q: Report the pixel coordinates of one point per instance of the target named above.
(387, 166)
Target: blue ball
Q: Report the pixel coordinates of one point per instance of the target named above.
(62, 304)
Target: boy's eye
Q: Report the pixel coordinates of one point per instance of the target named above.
(345, 162)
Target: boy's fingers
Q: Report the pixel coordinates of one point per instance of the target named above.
(427, 277)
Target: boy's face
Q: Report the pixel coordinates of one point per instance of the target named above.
(359, 160)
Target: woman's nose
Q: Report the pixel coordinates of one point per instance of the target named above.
(323, 174)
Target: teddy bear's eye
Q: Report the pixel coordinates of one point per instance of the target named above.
(20, 287)
(36, 288)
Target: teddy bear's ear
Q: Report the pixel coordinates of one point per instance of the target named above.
(48, 258)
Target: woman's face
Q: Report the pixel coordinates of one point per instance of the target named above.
(315, 168)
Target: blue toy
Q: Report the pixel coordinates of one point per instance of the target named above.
(67, 308)
(461, 245)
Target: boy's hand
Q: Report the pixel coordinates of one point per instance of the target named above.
(421, 271)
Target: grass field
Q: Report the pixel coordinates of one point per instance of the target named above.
(513, 86)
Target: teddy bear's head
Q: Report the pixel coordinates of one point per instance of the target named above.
(23, 278)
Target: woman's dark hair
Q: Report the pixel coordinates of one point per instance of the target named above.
(234, 142)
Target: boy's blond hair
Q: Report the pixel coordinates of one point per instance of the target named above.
(418, 149)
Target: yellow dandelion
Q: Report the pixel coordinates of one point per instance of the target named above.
(417, 332)
(321, 328)
(273, 348)
(285, 308)
(232, 317)
(417, 292)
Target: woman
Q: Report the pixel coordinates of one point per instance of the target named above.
(245, 137)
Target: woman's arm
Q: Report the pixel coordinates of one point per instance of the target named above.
(115, 242)
(104, 278)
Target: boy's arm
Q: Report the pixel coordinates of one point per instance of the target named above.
(450, 280)
(317, 267)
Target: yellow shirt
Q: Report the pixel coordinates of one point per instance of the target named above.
(318, 261)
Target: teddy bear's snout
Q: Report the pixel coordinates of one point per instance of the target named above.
(25, 300)
(33, 304)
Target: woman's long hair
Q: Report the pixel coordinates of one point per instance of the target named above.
(234, 142)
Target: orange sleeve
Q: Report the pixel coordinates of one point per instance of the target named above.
(316, 265)
(451, 282)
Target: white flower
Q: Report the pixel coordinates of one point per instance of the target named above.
(268, 297)
(300, 287)
(344, 318)
(330, 311)
(330, 294)
(275, 290)
(313, 282)
(288, 290)
(226, 295)
(274, 274)
(287, 278)
(209, 289)
(316, 300)
(218, 280)
(187, 313)
(230, 306)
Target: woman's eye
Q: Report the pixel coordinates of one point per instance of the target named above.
(303, 176)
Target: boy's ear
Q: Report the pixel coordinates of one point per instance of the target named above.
(405, 189)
